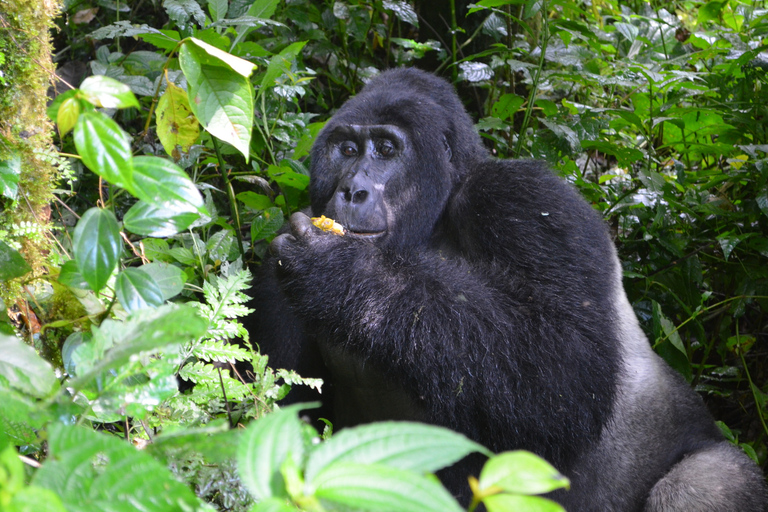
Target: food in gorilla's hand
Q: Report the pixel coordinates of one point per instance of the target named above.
(327, 224)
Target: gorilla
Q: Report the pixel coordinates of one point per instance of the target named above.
(486, 296)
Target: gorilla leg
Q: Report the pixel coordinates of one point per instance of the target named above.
(714, 479)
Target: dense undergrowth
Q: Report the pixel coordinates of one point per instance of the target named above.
(656, 112)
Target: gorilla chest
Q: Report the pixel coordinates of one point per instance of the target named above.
(364, 394)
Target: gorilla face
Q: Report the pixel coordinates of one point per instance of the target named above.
(380, 186)
(365, 159)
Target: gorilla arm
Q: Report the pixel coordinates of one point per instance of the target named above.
(451, 332)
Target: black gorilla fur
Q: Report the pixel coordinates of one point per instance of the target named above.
(483, 295)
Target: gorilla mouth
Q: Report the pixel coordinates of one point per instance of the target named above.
(366, 234)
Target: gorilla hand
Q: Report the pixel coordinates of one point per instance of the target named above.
(303, 232)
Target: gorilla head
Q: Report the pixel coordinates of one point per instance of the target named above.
(386, 163)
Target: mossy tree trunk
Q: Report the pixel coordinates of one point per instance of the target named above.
(27, 174)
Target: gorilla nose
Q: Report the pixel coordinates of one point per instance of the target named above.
(356, 197)
(355, 188)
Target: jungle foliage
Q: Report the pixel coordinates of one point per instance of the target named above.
(183, 130)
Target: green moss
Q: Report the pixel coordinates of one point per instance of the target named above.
(25, 131)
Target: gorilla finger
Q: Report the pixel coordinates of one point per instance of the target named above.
(281, 243)
(301, 225)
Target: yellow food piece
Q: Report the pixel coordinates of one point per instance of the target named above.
(327, 224)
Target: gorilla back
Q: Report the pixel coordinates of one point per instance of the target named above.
(483, 295)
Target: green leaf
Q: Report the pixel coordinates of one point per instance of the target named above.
(221, 99)
(148, 220)
(711, 11)
(35, 499)
(10, 171)
(218, 9)
(104, 148)
(107, 92)
(24, 370)
(254, 200)
(144, 330)
(280, 63)
(160, 182)
(70, 276)
(265, 445)
(521, 472)
(376, 488)
(169, 279)
(507, 502)
(624, 156)
(762, 202)
(403, 445)
(66, 118)
(506, 106)
(96, 472)
(176, 124)
(218, 57)
(267, 224)
(274, 505)
(97, 245)
(263, 9)
(12, 264)
(135, 289)
(403, 11)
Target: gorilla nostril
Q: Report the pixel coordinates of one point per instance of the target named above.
(359, 196)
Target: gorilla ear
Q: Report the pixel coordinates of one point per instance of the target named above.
(447, 148)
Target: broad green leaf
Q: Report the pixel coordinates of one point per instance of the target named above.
(506, 106)
(24, 370)
(162, 183)
(20, 417)
(403, 11)
(281, 62)
(12, 264)
(711, 11)
(183, 11)
(97, 472)
(105, 148)
(169, 278)
(521, 472)
(221, 99)
(221, 58)
(263, 9)
(625, 156)
(97, 245)
(10, 171)
(148, 329)
(762, 202)
(509, 502)
(163, 39)
(107, 92)
(265, 446)
(70, 275)
(403, 445)
(377, 488)
(274, 505)
(148, 220)
(254, 200)
(66, 118)
(176, 124)
(135, 289)
(267, 224)
(35, 499)
(217, 9)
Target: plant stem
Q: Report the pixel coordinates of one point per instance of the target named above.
(535, 84)
(231, 194)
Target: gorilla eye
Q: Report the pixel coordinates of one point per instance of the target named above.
(385, 148)
(348, 149)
